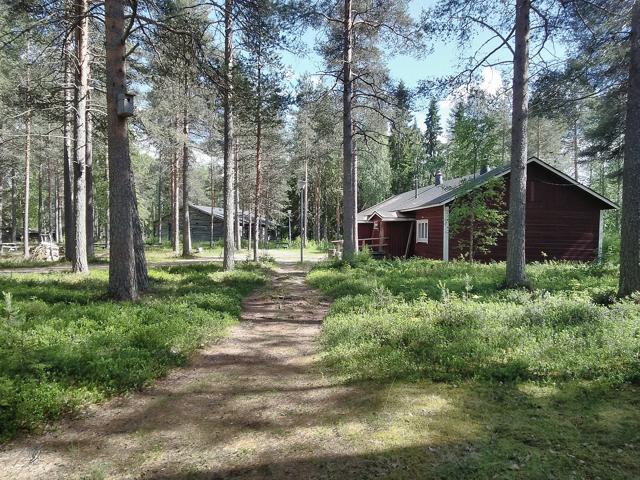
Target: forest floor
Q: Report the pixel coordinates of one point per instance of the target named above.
(261, 404)
(254, 405)
(157, 257)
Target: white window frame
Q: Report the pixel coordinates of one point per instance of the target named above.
(425, 238)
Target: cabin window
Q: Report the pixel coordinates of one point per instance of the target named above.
(422, 231)
(376, 225)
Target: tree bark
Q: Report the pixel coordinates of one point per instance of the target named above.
(317, 204)
(67, 187)
(575, 150)
(229, 196)
(349, 167)
(1, 202)
(256, 212)
(160, 205)
(630, 231)
(40, 199)
(142, 275)
(14, 205)
(175, 198)
(127, 268)
(213, 201)
(305, 237)
(27, 158)
(27, 172)
(90, 198)
(516, 261)
(79, 263)
(238, 210)
(186, 227)
(50, 194)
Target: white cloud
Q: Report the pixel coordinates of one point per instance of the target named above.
(491, 80)
(491, 83)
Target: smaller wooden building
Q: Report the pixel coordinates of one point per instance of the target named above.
(563, 218)
(200, 217)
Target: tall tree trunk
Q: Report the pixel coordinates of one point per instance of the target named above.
(69, 248)
(142, 276)
(306, 201)
(1, 203)
(575, 149)
(229, 197)
(516, 270)
(27, 172)
(160, 205)
(186, 227)
(27, 159)
(107, 226)
(127, 268)
(50, 195)
(213, 201)
(250, 239)
(91, 252)
(630, 231)
(317, 214)
(14, 205)
(40, 200)
(56, 209)
(256, 212)
(349, 168)
(237, 230)
(175, 197)
(317, 199)
(80, 263)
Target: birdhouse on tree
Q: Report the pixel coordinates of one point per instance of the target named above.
(125, 104)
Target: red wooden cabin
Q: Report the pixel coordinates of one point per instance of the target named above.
(563, 218)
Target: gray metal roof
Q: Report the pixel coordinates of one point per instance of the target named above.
(394, 208)
(431, 195)
(219, 213)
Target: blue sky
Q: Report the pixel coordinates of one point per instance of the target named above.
(444, 60)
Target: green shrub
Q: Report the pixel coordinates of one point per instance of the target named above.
(423, 319)
(63, 343)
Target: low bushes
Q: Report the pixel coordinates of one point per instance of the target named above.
(63, 344)
(452, 322)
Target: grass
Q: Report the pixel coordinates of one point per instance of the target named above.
(63, 344)
(425, 319)
(538, 383)
(164, 254)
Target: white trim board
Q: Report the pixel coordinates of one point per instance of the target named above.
(445, 234)
(600, 234)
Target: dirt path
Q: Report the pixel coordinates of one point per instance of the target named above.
(253, 406)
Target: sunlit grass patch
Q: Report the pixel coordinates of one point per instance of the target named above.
(64, 343)
(448, 321)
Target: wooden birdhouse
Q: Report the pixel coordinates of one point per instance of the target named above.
(125, 104)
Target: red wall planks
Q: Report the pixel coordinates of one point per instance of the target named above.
(562, 220)
(562, 223)
(432, 249)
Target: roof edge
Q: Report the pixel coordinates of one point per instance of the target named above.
(542, 164)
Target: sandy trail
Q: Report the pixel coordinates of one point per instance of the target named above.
(255, 405)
